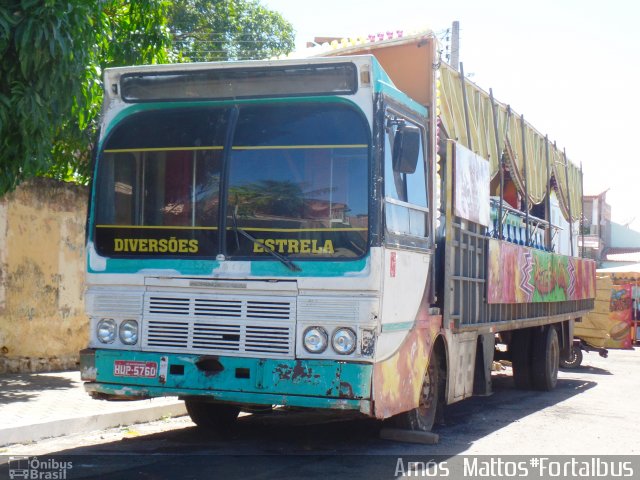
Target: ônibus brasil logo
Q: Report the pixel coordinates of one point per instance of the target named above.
(32, 468)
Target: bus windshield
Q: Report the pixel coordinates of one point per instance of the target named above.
(296, 182)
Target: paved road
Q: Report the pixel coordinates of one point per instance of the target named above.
(593, 411)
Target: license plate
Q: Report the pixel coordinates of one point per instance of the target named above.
(130, 368)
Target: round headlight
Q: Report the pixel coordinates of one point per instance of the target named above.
(106, 330)
(315, 339)
(129, 332)
(344, 341)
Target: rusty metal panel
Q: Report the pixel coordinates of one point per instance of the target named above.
(397, 380)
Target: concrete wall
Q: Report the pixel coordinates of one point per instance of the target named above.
(42, 264)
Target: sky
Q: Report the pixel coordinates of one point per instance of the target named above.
(569, 66)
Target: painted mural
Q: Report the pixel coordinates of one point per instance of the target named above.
(519, 274)
(620, 317)
(397, 381)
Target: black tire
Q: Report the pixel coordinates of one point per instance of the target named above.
(545, 358)
(217, 417)
(574, 360)
(430, 408)
(520, 348)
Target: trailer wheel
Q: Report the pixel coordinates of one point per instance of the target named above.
(545, 358)
(575, 359)
(217, 417)
(520, 349)
(429, 408)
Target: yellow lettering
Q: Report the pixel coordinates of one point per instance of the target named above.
(281, 244)
(270, 243)
(305, 246)
(172, 245)
(152, 245)
(259, 246)
(328, 247)
(293, 246)
(314, 247)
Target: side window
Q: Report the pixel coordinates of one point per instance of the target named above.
(405, 185)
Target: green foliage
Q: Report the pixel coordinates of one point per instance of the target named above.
(52, 53)
(129, 33)
(51, 58)
(215, 30)
(43, 58)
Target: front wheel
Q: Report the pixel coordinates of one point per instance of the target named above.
(575, 358)
(429, 409)
(217, 417)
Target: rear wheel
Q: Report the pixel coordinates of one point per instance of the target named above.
(429, 410)
(520, 348)
(212, 416)
(574, 360)
(545, 358)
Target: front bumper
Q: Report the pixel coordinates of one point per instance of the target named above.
(251, 381)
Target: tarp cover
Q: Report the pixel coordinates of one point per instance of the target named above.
(483, 141)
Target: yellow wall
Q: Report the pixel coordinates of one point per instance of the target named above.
(42, 321)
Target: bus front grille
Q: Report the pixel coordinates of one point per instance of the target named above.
(218, 324)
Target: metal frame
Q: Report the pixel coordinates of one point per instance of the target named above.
(465, 275)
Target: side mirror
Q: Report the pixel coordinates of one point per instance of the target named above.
(406, 149)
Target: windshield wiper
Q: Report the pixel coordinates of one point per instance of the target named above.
(285, 260)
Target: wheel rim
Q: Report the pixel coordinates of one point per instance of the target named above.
(427, 399)
(426, 396)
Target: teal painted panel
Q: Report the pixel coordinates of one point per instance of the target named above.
(234, 397)
(321, 378)
(183, 267)
(383, 84)
(329, 268)
(321, 268)
(397, 327)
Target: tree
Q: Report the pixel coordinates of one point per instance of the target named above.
(214, 30)
(52, 53)
(51, 58)
(43, 61)
(127, 33)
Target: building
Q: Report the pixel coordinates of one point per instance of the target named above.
(610, 244)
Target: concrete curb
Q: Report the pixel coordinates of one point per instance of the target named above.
(89, 423)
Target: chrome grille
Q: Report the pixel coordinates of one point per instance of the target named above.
(217, 307)
(217, 337)
(169, 305)
(113, 302)
(342, 310)
(280, 310)
(267, 339)
(230, 325)
(167, 334)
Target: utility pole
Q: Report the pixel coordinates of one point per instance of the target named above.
(455, 45)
